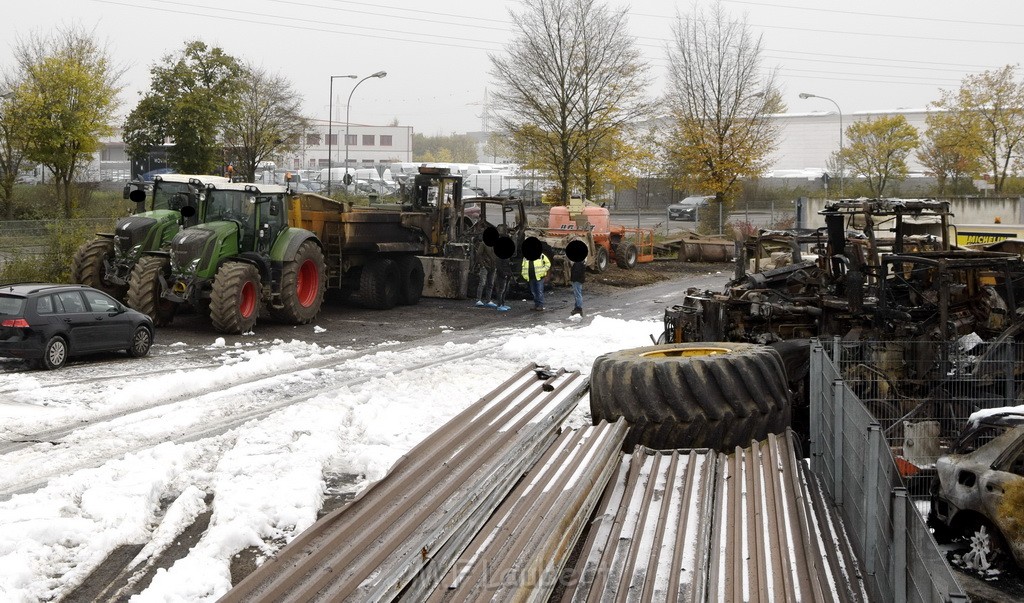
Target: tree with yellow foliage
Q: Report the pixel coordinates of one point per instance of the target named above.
(989, 109)
(720, 101)
(877, 149)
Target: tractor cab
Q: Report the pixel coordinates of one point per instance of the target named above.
(179, 193)
(257, 212)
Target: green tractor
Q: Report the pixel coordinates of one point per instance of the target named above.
(106, 262)
(243, 254)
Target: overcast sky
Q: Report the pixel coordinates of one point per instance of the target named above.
(879, 55)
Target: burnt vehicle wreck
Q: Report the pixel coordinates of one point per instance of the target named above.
(882, 277)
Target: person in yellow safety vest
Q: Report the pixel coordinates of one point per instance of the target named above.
(535, 272)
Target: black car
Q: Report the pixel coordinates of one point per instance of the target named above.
(48, 323)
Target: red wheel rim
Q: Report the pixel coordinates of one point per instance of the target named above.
(307, 283)
(247, 303)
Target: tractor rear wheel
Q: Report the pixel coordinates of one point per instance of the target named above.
(692, 395)
(87, 266)
(410, 272)
(144, 289)
(235, 299)
(378, 284)
(625, 255)
(302, 286)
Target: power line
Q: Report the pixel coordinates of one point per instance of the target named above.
(358, 31)
(915, 18)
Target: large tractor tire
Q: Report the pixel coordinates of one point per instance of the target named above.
(87, 266)
(144, 289)
(692, 395)
(303, 284)
(379, 285)
(410, 275)
(235, 299)
(625, 255)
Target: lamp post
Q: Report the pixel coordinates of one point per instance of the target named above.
(348, 105)
(842, 166)
(330, 123)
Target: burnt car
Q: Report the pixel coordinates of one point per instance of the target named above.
(971, 491)
(48, 323)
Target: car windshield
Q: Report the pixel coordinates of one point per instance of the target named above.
(164, 192)
(231, 205)
(11, 305)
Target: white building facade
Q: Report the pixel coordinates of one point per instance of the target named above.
(807, 140)
(367, 146)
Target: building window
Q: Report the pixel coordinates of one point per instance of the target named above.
(385, 140)
(333, 139)
(312, 140)
(368, 140)
(350, 139)
(367, 163)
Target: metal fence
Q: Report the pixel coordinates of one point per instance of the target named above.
(922, 393)
(850, 456)
(17, 235)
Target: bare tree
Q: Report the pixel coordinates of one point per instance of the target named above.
(721, 102)
(267, 120)
(568, 81)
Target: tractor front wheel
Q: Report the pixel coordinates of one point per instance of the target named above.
(88, 266)
(144, 289)
(235, 299)
(302, 286)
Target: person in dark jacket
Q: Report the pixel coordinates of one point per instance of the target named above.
(504, 250)
(576, 252)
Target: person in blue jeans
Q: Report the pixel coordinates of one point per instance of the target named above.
(504, 249)
(576, 252)
(577, 274)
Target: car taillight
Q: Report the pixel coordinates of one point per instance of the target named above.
(15, 322)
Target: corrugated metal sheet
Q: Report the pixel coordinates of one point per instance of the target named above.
(703, 526)
(520, 553)
(429, 506)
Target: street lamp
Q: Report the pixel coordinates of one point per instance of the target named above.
(842, 166)
(348, 105)
(330, 122)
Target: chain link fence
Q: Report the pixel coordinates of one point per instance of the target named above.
(850, 456)
(921, 393)
(43, 249)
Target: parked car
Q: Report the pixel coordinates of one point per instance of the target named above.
(526, 195)
(473, 191)
(688, 207)
(984, 465)
(48, 323)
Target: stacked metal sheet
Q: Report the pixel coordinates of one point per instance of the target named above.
(432, 503)
(519, 555)
(703, 526)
